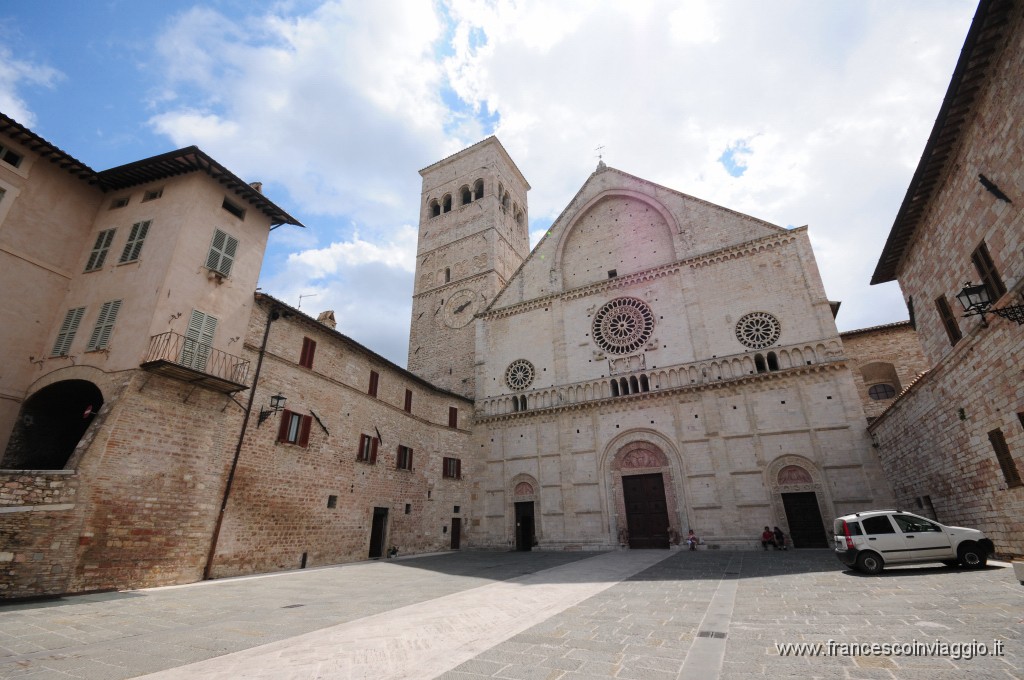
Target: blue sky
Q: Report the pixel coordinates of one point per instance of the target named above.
(796, 112)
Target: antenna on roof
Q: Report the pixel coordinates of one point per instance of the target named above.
(305, 296)
(600, 157)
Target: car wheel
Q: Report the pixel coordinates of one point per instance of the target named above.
(971, 556)
(870, 563)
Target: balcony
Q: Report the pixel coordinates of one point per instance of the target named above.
(188, 360)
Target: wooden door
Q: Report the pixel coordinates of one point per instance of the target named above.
(456, 532)
(805, 526)
(377, 531)
(646, 511)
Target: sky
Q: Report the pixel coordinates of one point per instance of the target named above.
(798, 112)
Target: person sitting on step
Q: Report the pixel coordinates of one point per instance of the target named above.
(768, 538)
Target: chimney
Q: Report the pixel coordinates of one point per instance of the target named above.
(327, 319)
(258, 186)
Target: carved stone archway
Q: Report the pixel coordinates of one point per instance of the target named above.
(522, 488)
(796, 474)
(642, 458)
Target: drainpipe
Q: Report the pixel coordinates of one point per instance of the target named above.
(274, 315)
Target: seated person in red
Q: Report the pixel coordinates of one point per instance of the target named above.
(768, 538)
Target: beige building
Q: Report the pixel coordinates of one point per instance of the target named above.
(953, 444)
(656, 364)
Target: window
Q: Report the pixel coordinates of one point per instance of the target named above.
(909, 524)
(308, 349)
(332, 501)
(881, 391)
(234, 209)
(408, 401)
(987, 271)
(447, 274)
(67, 331)
(1006, 462)
(948, 320)
(119, 203)
(133, 248)
(404, 459)
(99, 250)
(152, 194)
(879, 524)
(453, 416)
(10, 157)
(198, 340)
(374, 380)
(446, 203)
(222, 253)
(478, 190)
(294, 428)
(104, 325)
(367, 452)
(451, 468)
(435, 208)
(467, 195)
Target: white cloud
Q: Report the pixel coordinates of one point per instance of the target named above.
(321, 262)
(16, 74)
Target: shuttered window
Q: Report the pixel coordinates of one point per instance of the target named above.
(408, 401)
(222, 253)
(367, 452)
(948, 320)
(308, 349)
(99, 250)
(374, 380)
(1010, 472)
(403, 461)
(453, 416)
(294, 428)
(133, 248)
(104, 325)
(198, 340)
(67, 331)
(451, 468)
(987, 271)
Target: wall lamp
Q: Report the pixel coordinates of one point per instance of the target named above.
(977, 301)
(276, 404)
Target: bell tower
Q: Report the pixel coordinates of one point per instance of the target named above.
(473, 235)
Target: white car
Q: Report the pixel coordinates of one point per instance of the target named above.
(873, 539)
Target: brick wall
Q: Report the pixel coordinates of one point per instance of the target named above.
(896, 345)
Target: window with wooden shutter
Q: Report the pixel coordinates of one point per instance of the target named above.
(403, 460)
(133, 248)
(222, 253)
(308, 349)
(198, 340)
(294, 428)
(408, 401)
(987, 271)
(104, 325)
(1010, 472)
(451, 468)
(948, 320)
(374, 380)
(282, 429)
(67, 331)
(453, 416)
(367, 452)
(99, 250)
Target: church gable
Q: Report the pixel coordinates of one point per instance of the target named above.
(619, 224)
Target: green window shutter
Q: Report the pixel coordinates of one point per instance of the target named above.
(104, 325)
(133, 248)
(198, 339)
(99, 250)
(222, 253)
(67, 331)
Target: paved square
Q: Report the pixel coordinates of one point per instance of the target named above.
(627, 614)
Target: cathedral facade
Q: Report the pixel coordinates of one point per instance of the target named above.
(656, 364)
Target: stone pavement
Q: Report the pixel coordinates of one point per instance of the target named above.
(564, 616)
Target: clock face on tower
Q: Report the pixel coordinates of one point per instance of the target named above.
(461, 307)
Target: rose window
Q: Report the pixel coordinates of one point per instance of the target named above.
(519, 374)
(623, 325)
(758, 330)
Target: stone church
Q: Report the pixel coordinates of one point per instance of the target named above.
(657, 363)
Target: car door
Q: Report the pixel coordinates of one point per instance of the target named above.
(924, 539)
(883, 537)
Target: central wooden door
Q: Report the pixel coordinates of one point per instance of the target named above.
(524, 526)
(646, 512)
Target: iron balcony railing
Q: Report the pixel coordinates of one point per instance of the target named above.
(191, 360)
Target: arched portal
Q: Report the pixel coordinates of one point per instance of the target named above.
(643, 475)
(799, 500)
(50, 424)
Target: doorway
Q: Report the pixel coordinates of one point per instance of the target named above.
(646, 512)
(456, 532)
(524, 526)
(806, 529)
(377, 531)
